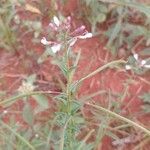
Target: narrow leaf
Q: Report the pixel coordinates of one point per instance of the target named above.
(28, 114)
(41, 100)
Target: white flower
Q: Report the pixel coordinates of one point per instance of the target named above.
(56, 21)
(147, 66)
(143, 62)
(26, 87)
(5, 112)
(136, 56)
(139, 62)
(44, 41)
(87, 35)
(128, 67)
(36, 135)
(55, 48)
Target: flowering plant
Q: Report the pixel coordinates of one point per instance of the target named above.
(137, 64)
(63, 30)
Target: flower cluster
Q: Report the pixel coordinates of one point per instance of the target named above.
(138, 62)
(26, 88)
(57, 26)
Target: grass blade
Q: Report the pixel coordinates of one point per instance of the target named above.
(17, 135)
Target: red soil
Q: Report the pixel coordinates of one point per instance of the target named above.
(14, 68)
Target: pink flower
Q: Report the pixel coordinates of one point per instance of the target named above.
(58, 26)
(44, 41)
(87, 35)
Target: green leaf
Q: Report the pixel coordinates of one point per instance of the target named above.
(136, 30)
(145, 97)
(79, 119)
(114, 32)
(28, 114)
(146, 108)
(75, 107)
(98, 12)
(61, 118)
(139, 6)
(61, 64)
(101, 17)
(62, 98)
(42, 100)
(48, 52)
(31, 79)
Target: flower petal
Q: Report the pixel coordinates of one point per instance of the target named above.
(53, 26)
(147, 66)
(44, 41)
(55, 48)
(128, 67)
(136, 56)
(56, 21)
(78, 31)
(87, 35)
(73, 41)
(143, 62)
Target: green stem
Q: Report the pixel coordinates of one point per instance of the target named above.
(85, 139)
(113, 114)
(14, 98)
(50, 134)
(69, 80)
(63, 135)
(113, 63)
(110, 64)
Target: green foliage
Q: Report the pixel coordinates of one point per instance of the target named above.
(27, 114)
(33, 26)
(146, 99)
(42, 100)
(95, 12)
(7, 31)
(10, 22)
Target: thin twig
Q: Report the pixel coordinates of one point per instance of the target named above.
(113, 114)
(110, 64)
(11, 99)
(18, 135)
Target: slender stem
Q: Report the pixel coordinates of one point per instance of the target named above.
(69, 96)
(18, 135)
(63, 135)
(14, 98)
(50, 134)
(85, 139)
(141, 144)
(116, 62)
(69, 80)
(110, 64)
(113, 114)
